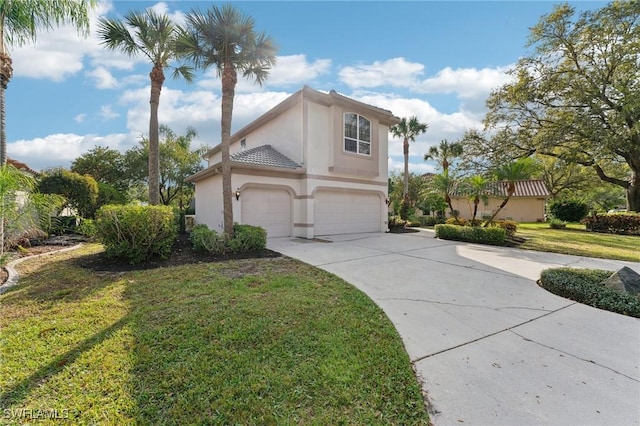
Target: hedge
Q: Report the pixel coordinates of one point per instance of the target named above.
(586, 286)
(494, 235)
(136, 233)
(618, 223)
(246, 238)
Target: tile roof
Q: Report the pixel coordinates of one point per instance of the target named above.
(266, 156)
(524, 188)
(21, 166)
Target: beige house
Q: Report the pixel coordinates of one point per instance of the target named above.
(315, 164)
(526, 205)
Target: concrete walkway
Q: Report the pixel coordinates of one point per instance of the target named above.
(489, 346)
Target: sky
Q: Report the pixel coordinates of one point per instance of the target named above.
(437, 60)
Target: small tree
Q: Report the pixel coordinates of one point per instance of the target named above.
(509, 173)
(569, 210)
(81, 192)
(408, 130)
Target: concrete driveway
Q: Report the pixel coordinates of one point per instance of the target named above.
(489, 346)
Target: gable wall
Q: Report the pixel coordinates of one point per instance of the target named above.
(520, 209)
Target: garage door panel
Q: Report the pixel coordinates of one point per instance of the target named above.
(268, 208)
(346, 212)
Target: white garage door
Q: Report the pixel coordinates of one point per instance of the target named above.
(346, 212)
(268, 208)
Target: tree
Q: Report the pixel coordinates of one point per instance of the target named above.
(153, 35)
(408, 130)
(19, 22)
(508, 174)
(177, 162)
(445, 184)
(106, 165)
(577, 96)
(225, 38)
(417, 184)
(445, 152)
(80, 191)
(12, 183)
(477, 186)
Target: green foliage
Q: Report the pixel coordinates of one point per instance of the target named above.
(431, 220)
(509, 226)
(61, 225)
(136, 233)
(460, 221)
(246, 238)
(494, 235)
(617, 223)
(569, 209)
(557, 224)
(105, 165)
(87, 228)
(81, 192)
(585, 286)
(404, 209)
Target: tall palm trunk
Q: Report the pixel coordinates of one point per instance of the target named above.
(229, 81)
(405, 193)
(6, 71)
(157, 79)
(476, 201)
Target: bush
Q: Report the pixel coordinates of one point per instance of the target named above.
(61, 225)
(557, 224)
(87, 228)
(617, 223)
(509, 226)
(430, 220)
(461, 221)
(247, 238)
(568, 210)
(494, 235)
(586, 286)
(135, 233)
(396, 222)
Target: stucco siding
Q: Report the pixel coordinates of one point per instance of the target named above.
(521, 209)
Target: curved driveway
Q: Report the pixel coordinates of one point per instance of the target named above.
(489, 346)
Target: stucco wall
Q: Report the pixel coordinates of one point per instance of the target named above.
(520, 209)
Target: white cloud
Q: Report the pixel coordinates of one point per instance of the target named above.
(396, 164)
(103, 78)
(79, 118)
(465, 82)
(396, 72)
(107, 113)
(59, 150)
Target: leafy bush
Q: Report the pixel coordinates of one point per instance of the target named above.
(204, 239)
(396, 222)
(569, 210)
(247, 238)
(617, 223)
(557, 224)
(61, 225)
(81, 192)
(87, 228)
(586, 286)
(509, 226)
(461, 221)
(474, 234)
(135, 233)
(430, 220)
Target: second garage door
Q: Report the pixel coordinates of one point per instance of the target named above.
(346, 212)
(268, 208)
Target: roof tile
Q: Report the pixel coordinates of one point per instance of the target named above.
(266, 156)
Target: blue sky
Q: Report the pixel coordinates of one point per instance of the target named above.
(436, 60)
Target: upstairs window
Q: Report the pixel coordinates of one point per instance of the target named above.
(357, 134)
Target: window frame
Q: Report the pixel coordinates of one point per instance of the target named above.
(357, 139)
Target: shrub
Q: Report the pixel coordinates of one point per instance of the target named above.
(204, 239)
(617, 223)
(430, 220)
(508, 225)
(557, 224)
(396, 222)
(135, 233)
(586, 286)
(61, 225)
(247, 238)
(569, 210)
(461, 221)
(87, 228)
(493, 235)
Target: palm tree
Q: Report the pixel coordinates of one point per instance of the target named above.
(508, 174)
(446, 185)
(19, 21)
(477, 186)
(225, 38)
(444, 153)
(153, 35)
(408, 130)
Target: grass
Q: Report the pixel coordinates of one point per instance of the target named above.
(258, 341)
(576, 240)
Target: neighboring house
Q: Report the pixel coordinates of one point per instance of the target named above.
(526, 205)
(315, 164)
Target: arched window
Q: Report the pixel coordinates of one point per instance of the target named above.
(357, 134)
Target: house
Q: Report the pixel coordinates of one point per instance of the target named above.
(315, 164)
(526, 205)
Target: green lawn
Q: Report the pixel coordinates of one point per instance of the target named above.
(576, 240)
(257, 341)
